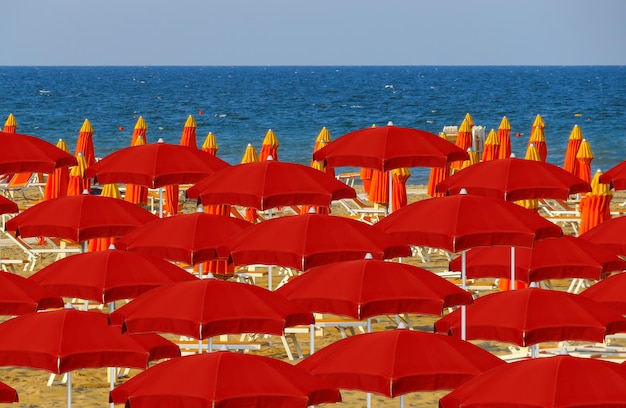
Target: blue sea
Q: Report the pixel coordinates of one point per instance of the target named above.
(239, 104)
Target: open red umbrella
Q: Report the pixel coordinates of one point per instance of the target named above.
(224, 379)
(19, 295)
(559, 381)
(396, 362)
(515, 179)
(73, 340)
(190, 238)
(609, 291)
(8, 394)
(366, 288)
(529, 316)
(609, 234)
(206, 308)
(7, 206)
(269, 184)
(107, 276)
(552, 258)
(308, 240)
(79, 218)
(23, 153)
(616, 176)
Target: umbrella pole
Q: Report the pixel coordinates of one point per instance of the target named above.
(312, 339)
(369, 330)
(512, 284)
(464, 287)
(69, 389)
(160, 202)
(112, 375)
(390, 189)
(401, 401)
(269, 277)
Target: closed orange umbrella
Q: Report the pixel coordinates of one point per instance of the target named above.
(365, 174)
(269, 147)
(84, 144)
(584, 156)
(10, 126)
(134, 193)
(399, 178)
(504, 136)
(538, 138)
(58, 180)
(188, 138)
(463, 140)
(595, 206)
(437, 175)
(250, 156)
(573, 144)
(77, 181)
(102, 244)
(210, 144)
(492, 146)
(379, 187)
(140, 130)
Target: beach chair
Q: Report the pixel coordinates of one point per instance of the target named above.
(21, 181)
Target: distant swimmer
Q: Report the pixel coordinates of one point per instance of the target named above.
(518, 134)
(121, 128)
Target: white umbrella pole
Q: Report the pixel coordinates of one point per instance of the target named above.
(512, 283)
(210, 344)
(369, 330)
(112, 375)
(160, 202)
(401, 401)
(312, 339)
(390, 210)
(464, 287)
(69, 389)
(269, 277)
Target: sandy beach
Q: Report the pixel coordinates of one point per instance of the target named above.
(90, 387)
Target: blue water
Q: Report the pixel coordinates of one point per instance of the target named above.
(239, 104)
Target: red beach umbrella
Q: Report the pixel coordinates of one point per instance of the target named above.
(609, 291)
(573, 144)
(269, 147)
(399, 177)
(396, 362)
(367, 287)
(616, 176)
(552, 258)
(379, 187)
(504, 137)
(79, 218)
(108, 276)
(515, 179)
(8, 394)
(529, 316)
(224, 379)
(559, 381)
(609, 234)
(19, 295)
(22, 154)
(206, 308)
(7, 206)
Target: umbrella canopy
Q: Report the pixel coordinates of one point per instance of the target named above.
(389, 147)
(504, 137)
(609, 234)
(8, 394)
(19, 295)
(616, 176)
(210, 144)
(573, 144)
(396, 362)
(224, 379)
(529, 316)
(609, 291)
(78, 218)
(140, 131)
(59, 351)
(7, 206)
(269, 184)
(367, 287)
(559, 381)
(190, 238)
(552, 258)
(269, 147)
(23, 153)
(155, 165)
(309, 240)
(584, 158)
(108, 276)
(206, 308)
(515, 179)
(464, 221)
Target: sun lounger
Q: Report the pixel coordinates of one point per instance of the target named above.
(21, 181)
(33, 252)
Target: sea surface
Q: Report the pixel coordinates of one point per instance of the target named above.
(240, 104)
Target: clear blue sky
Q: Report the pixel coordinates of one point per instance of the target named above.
(313, 32)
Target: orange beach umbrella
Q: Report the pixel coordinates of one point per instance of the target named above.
(472, 158)
(469, 119)
(504, 137)
(492, 147)
(437, 175)
(84, 144)
(269, 147)
(538, 138)
(135, 193)
(573, 144)
(77, 180)
(595, 206)
(463, 140)
(365, 174)
(399, 178)
(250, 156)
(323, 138)
(584, 156)
(140, 130)
(58, 180)
(188, 138)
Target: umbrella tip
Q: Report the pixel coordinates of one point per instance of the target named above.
(199, 209)
(210, 275)
(463, 191)
(512, 155)
(270, 157)
(312, 211)
(369, 255)
(160, 140)
(68, 305)
(390, 123)
(112, 246)
(85, 191)
(401, 326)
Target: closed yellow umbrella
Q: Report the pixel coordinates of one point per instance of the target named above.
(436, 176)
(269, 147)
(77, 181)
(472, 158)
(134, 193)
(595, 206)
(58, 180)
(102, 244)
(504, 137)
(584, 156)
(210, 144)
(538, 138)
(469, 119)
(10, 126)
(492, 146)
(141, 129)
(573, 144)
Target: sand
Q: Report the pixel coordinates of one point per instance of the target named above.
(90, 387)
